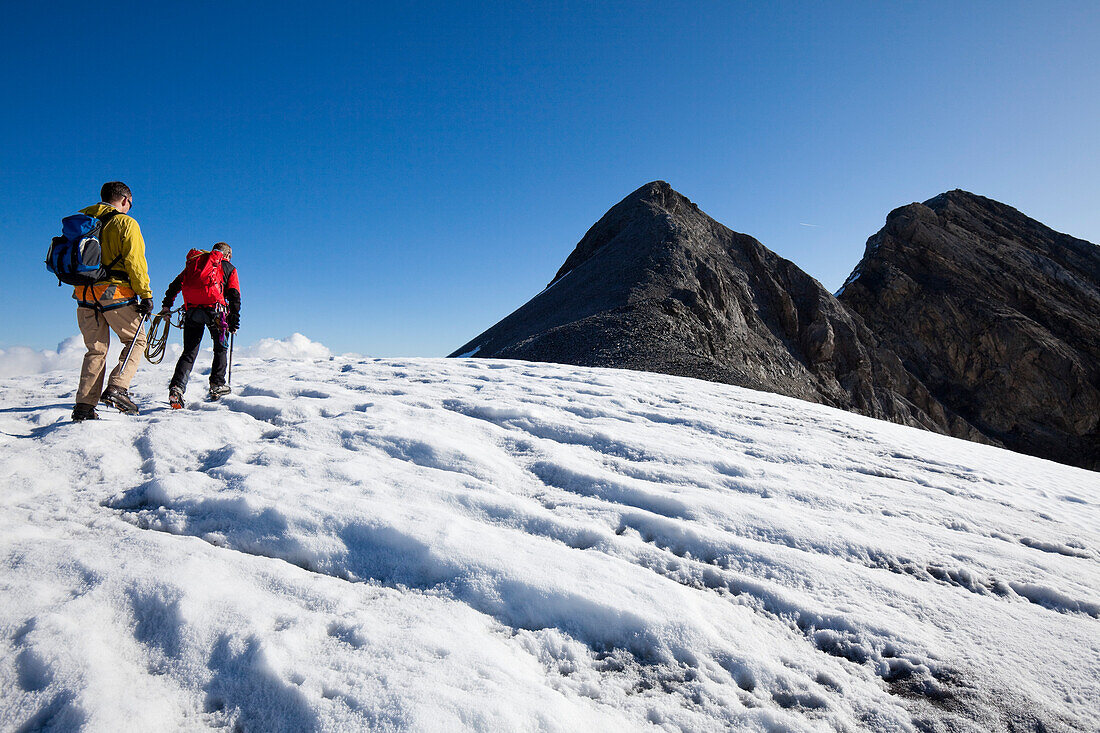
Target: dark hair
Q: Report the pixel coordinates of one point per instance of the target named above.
(115, 191)
(222, 246)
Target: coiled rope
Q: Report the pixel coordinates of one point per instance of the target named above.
(158, 340)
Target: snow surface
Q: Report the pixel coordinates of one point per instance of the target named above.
(428, 544)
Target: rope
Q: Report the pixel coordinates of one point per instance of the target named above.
(154, 347)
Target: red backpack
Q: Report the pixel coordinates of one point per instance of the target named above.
(203, 279)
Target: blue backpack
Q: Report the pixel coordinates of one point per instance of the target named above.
(76, 256)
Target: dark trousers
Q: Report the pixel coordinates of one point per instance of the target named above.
(195, 321)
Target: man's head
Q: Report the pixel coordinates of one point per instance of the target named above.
(117, 194)
(225, 248)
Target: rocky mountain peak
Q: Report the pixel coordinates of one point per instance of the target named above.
(964, 316)
(654, 203)
(996, 313)
(657, 285)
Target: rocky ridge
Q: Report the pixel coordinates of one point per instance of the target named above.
(657, 285)
(964, 317)
(996, 314)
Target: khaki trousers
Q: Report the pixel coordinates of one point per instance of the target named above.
(94, 328)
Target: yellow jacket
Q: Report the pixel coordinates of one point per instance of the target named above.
(120, 236)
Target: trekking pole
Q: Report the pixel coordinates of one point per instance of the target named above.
(130, 346)
(229, 377)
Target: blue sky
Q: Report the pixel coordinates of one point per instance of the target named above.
(394, 179)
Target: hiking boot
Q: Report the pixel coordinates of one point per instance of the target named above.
(82, 412)
(120, 399)
(175, 398)
(219, 390)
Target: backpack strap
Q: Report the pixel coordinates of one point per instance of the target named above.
(116, 273)
(106, 217)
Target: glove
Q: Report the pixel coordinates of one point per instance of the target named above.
(165, 310)
(233, 321)
(145, 307)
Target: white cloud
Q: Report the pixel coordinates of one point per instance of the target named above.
(20, 360)
(296, 346)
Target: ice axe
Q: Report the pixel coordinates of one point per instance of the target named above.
(229, 376)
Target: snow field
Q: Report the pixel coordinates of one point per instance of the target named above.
(429, 544)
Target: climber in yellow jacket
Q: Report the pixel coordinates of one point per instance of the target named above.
(119, 303)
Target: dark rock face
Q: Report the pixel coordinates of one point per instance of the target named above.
(657, 285)
(998, 316)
